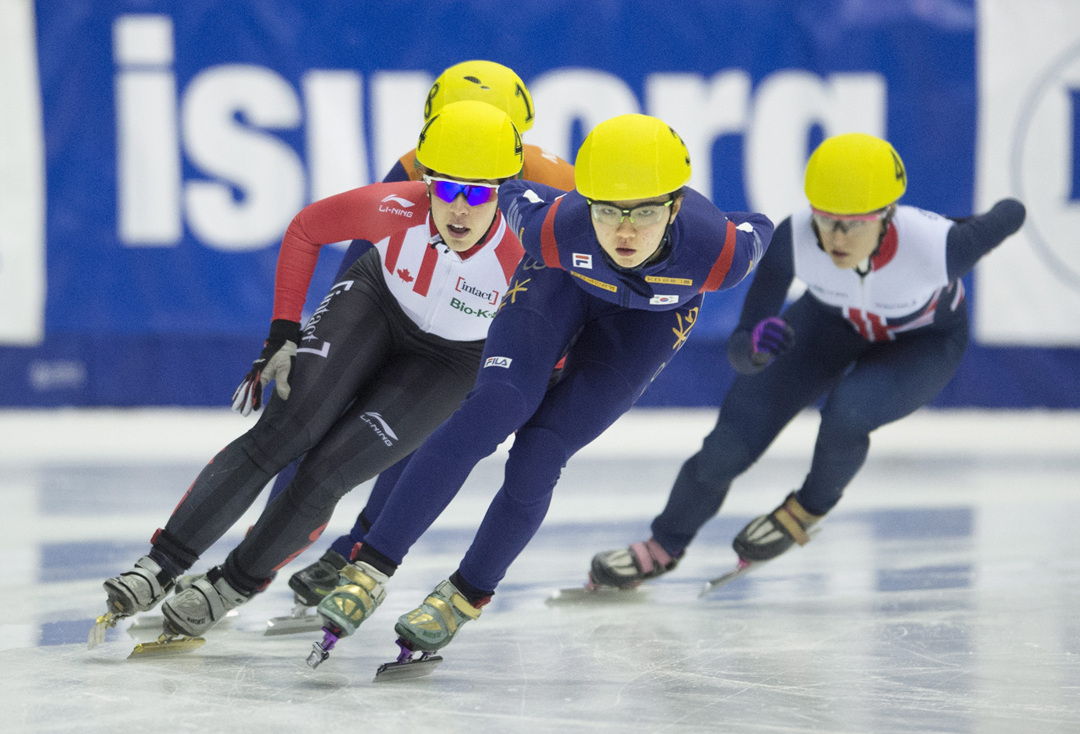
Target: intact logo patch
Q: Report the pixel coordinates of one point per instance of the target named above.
(498, 362)
(582, 260)
(663, 300)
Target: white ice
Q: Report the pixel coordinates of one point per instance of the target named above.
(941, 595)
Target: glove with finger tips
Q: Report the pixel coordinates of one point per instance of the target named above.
(770, 338)
(275, 363)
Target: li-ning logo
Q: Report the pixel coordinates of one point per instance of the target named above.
(380, 426)
(402, 205)
(498, 362)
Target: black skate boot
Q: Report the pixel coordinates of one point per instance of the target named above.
(626, 568)
(767, 536)
(137, 590)
(313, 583)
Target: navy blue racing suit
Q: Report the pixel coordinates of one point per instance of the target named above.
(618, 329)
(870, 371)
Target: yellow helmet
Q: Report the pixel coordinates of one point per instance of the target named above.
(854, 173)
(470, 140)
(631, 157)
(482, 81)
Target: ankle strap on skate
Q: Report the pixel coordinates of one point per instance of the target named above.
(794, 519)
(650, 555)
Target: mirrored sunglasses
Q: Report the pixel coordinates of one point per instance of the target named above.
(475, 194)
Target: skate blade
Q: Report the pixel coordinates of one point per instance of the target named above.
(407, 670)
(165, 646)
(154, 622)
(293, 625)
(97, 632)
(596, 595)
(741, 568)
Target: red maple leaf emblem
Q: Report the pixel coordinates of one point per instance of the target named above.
(405, 275)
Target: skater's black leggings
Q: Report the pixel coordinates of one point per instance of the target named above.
(866, 385)
(368, 387)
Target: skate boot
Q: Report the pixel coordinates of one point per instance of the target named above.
(768, 536)
(201, 605)
(311, 584)
(626, 568)
(434, 623)
(137, 590)
(362, 590)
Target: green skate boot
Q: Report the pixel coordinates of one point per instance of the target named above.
(426, 629)
(434, 623)
(362, 589)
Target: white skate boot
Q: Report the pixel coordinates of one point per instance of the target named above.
(191, 612)
(137, 590)
(201, 605)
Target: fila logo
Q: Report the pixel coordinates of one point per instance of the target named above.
(398, 200)
(503, 362)
(582, 260)
(663, 300)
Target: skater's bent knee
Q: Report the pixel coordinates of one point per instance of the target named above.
(534, 465)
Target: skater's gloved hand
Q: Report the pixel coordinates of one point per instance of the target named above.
(770, 338)
(275, 363)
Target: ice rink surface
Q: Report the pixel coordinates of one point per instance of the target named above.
(941, 595)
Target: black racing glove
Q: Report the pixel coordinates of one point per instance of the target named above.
(275, 363)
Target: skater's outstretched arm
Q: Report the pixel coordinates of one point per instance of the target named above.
(764, 300)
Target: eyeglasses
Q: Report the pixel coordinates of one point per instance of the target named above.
(448, 190)
(640, 216)
(846, 223)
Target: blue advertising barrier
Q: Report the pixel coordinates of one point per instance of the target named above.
(179, 139)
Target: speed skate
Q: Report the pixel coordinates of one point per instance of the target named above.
(166, 645)
(302, 619)
(741, 567)
(407, 667)
(590, 593)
